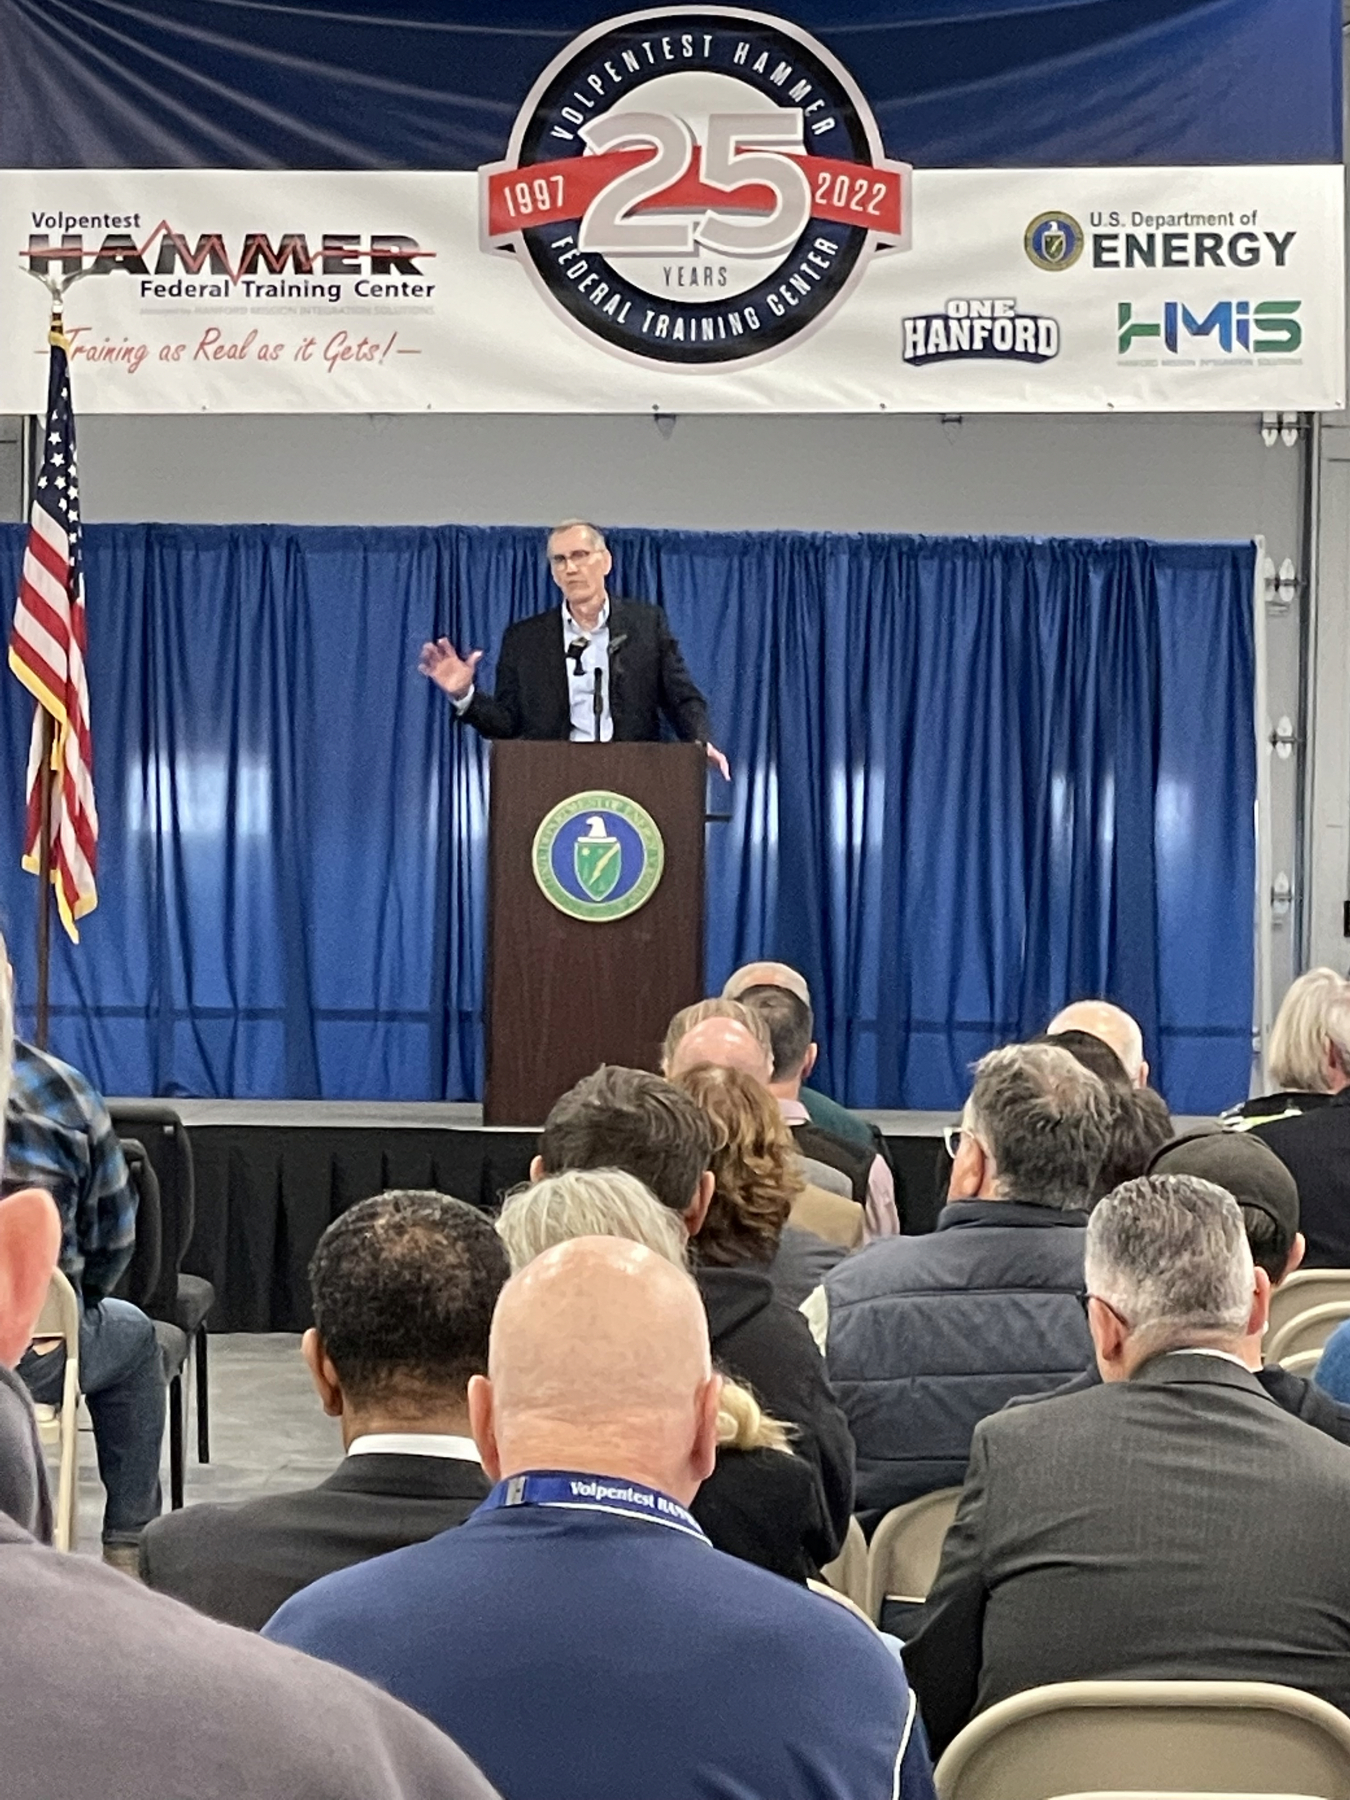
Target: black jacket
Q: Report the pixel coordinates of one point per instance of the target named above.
(1117, 1535)
(647, 676)
(1315, 1147)
(1291, 1393)
(239, 1562)
(768, 1346)
(764, 1507)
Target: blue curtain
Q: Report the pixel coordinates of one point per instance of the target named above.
(974, 778)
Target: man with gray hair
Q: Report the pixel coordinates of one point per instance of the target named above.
(596, 669)
(925, 1336)
(1171, 1522)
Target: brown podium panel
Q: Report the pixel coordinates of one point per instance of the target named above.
(566, 993)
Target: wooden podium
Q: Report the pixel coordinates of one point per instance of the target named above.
(566, 993)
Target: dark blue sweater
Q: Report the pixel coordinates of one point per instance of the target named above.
(579, 1655)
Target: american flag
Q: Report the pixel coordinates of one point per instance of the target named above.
(47, 650)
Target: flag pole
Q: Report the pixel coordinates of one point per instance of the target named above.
(44, 917)
(31, 463)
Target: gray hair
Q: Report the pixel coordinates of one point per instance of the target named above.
(609, 1203)
(587, 1203)
(597, 536)
(1045, 1120)
(1169, 1253)
(1314, 1013)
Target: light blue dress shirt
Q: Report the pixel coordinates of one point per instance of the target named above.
(581, 688)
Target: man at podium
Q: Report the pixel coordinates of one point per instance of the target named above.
(597, 670)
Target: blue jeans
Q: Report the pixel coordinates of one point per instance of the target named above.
(122, 1379)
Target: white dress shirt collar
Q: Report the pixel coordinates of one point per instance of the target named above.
(1202, 1350)
(415, 1443)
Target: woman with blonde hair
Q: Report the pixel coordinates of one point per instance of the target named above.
(1307, 1123)
(762, 1502)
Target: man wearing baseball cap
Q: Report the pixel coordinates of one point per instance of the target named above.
(1268, 1196)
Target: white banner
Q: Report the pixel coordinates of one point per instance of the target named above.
(1197, 289)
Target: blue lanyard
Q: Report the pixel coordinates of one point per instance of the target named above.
(594, 1493)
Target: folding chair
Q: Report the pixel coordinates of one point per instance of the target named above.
(907, 1548)
(58, 1426)
(1306, 1331)
(1250, 1737)
(1300, 1292)
(847, 1574)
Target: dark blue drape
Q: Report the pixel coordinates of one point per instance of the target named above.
(974, 778)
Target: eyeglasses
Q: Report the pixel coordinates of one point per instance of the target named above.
(951, 1139)
(572, 559)
(1114, 1311)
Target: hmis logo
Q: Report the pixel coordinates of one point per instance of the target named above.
(695, 186)
(1236, 328)
(983, 330)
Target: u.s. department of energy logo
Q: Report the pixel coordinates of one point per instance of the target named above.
(598, 856)
(1053, 241)
(695, 186)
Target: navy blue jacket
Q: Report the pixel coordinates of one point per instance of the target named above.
(929, 1335)
(584, 1655)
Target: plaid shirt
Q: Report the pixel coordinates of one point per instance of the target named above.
(58, 1136)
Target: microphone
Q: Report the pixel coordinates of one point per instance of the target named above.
(576, 650)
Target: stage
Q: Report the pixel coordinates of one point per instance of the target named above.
(271, 1174)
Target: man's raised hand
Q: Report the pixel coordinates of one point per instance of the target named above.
(451, 672)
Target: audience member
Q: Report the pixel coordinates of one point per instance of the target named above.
(112, 1690)
(925, 1336)
(1308, 1054)
(403, 1288)
(30, 1241)
(761, 1502)
(640, 1123)
(1170, 1523)
(827, 1113)
(1114, 1026)
(690, 1672)
(739, 1036)
(1140, 1121)
(1308, 1126)
(757, 1181)
(790, 1024)
(58, 1137)
(1264, 1189)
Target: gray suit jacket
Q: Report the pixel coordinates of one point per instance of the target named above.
(1178, 1525)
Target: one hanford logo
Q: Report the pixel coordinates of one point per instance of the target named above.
(1053, 241)
(695, 187)
(1230, 328)
(598, 856)
(989, 330)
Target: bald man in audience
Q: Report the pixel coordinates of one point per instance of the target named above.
(1114, 1026)
(731, 1036)
(579, 1634)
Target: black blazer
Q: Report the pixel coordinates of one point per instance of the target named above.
(240, 1562)
(1315, 1148)
(647, 675)
(1180, 1524)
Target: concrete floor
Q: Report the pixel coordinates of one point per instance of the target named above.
(268, 1431)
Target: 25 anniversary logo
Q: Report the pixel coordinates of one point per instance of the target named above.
(695, 187)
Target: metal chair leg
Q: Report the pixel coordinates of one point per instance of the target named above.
(176, 1442)
(203, 1402)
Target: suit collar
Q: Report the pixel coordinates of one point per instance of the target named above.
(957, 1214)
(430, 1477)
(1207, 1371)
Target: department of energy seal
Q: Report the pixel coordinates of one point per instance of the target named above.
(695, 187)
(598, 856)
